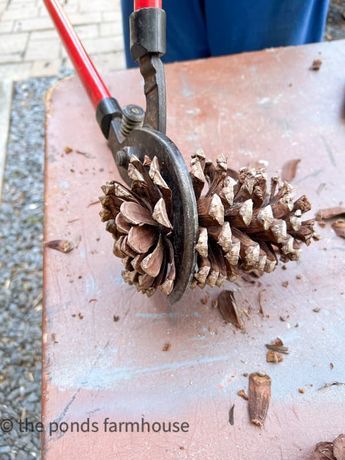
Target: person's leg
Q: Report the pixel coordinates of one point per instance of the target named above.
(234, 26)
(186, 30)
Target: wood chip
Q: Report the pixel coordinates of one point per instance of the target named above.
(330, 213)
(301, 390)
(261, 302)
(273, 357)
(339, 228)
(289, 170)
(316, 65)
(204, 300)
(231, 415)
(85, 154)
(68, 149)
(166, 346)
(331, 384)
(242, 394)
(278, 346)
(229, 310)
(259, 395)
(64, 246)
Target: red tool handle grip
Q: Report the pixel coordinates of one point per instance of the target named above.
(139, 4)
(90, 78)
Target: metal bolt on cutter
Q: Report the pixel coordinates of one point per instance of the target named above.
(134, 131)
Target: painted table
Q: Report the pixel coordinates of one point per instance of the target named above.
(103, 343)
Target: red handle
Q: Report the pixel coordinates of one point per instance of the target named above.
(139, 4)
(90, 78)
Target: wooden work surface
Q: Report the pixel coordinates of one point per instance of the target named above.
(257, 106)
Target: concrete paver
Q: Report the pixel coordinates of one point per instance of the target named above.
(30, 46)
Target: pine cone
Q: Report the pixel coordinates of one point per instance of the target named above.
(243, 227)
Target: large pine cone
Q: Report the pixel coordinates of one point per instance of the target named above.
(243, 227)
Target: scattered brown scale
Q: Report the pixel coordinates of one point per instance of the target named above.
(244, 227)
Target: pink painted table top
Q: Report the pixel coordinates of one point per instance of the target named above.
(257, 106)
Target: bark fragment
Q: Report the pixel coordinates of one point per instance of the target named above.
(339, 228)
(64, 246)
(289, 170)
(229, 310)
(242, 394)
(330, 213)
(316, 65)
(277, 345)
(273, 357)
(259, 395)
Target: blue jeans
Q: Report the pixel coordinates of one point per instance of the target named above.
(203, 28)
